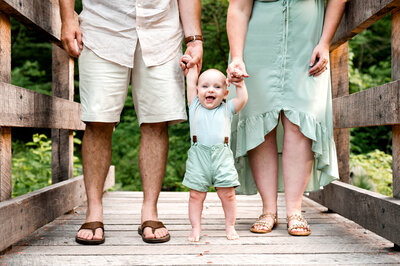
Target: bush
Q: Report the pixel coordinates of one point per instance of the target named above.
(372, 171)
(31, 164)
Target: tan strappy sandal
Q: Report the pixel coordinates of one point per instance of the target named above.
(264, 226)
(292, 230)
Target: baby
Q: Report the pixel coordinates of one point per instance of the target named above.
(210, 159)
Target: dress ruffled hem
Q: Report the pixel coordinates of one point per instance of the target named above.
(250, 132)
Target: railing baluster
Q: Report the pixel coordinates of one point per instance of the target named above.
(62, 139)
(5, 132)
(340, 87)
(396, 128)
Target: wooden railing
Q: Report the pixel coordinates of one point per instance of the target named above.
(372, 107)
(20, 107)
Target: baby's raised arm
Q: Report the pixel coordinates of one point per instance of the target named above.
(241, 91)
(191, 79)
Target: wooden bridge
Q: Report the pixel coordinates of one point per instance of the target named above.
(351, 226)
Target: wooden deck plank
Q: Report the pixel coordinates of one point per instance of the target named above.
(334, 239)
(232, 259)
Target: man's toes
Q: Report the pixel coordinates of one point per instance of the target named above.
(148, 233)
(85, 234)
(164, 232)
(98, 234)
(161, 232)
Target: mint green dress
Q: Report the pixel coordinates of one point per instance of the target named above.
(279, 43)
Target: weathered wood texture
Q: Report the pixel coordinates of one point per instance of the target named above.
(373, 107)
(5, 132)
(334, 239)
(5, 48)
(396, 128)
(375, 212)
(359, 15)
(62, 140)
(21, 216)
(41, 15)
(20, 107)
(5, 163)
(340, 87)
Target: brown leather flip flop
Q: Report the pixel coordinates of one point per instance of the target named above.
(153, 225)
(91, 226)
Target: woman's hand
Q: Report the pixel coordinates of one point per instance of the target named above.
(236, 72)
(319, 60)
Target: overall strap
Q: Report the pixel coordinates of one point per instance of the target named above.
(194, 138)
(227, 124)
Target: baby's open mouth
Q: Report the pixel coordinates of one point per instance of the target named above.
(210, 98)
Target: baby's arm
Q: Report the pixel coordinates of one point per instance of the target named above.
(241, 91)
(191, 80)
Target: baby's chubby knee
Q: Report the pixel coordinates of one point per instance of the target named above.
(226, 193)
(197, 196)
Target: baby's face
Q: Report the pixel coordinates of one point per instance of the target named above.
(211, 88)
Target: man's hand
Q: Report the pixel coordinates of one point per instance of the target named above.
(184, 61)
(71, 37)
(195, 51)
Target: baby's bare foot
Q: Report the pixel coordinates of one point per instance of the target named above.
(231, 233)
(195, 235)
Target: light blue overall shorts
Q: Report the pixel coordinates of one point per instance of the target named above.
(213, 165)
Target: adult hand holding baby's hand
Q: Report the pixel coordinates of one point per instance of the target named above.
(185, 59)
(236, 72)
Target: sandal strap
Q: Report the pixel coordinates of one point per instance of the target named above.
(267, 215)
(153, 225)
(262, 222)
(296, 217)
(92, 226)
(302, 225)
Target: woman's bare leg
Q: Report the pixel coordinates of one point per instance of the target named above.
(297, 161)
(263, 161)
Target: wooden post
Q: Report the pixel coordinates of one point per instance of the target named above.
(340, 87)
(396, 128)
(62, 140)
(5, 132)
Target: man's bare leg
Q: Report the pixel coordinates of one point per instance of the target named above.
(153, 155)
(96, 159)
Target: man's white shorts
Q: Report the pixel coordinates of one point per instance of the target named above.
(158, 92)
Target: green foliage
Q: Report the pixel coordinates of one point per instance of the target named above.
(213, 26)
(29, 75)
(31, 164)
(375, 173)
(370, 66)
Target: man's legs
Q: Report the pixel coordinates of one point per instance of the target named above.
(96, 158)
(195, 209)
(228, 199)
(153, 155)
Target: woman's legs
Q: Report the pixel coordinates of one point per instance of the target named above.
(297, 161)
(263, 161)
